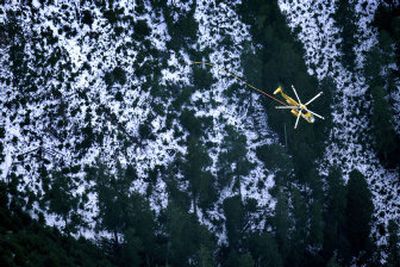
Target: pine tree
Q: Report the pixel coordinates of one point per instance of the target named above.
(139, 231)
(112, 196)
(246, 260)
(281, 223)
(27, 242)
(187, 239)
(387, 22)
(346, 21)
(264, 249)
(334, 215)
(277, 159)
(236, 259)
(271, 256)
(180, 198)
(382, 115)
(333, 262)
(130, 255)
(359, 210)
(300, 232)
(195, 171)
(126, 215)
(205, 257)
(233, 163)
(383, 126)
(61, 200)
(316, 225)
(393, 246)
(234, 213)
(315, 200)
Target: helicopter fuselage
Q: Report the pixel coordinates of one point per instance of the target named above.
(301, 108)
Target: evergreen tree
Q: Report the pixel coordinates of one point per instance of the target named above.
(179, 196)
(393, 245)
(277, 159)
(196, 163)
(387, 21)
(382, 115)
(130, 254)
(382, 124)
(335, 216)
(183, 31)
(315, 200)
(316, 225)
(61, 200)
(264, 250)
(234, 213)
(281, 224)
(345, 19)
(359, 210)
(112, 197)
(333, 262)
(236, 259)
(300, 226)
(271, 255)
(139, 232)
(205, 257)
(201, 182)
(233, 163)
(187, 239)
(126, 215)
(26, 242)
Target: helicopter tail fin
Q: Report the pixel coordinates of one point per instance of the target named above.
(278, 90)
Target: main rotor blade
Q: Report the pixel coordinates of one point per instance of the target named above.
(297, 96)
(286, 107)
(316, 114)
(312, 99)
(297, 120)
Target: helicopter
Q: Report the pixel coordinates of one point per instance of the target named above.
(297, 108)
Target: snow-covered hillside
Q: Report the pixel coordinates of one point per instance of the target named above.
(92, 77)
(350, 144)
(88, 86)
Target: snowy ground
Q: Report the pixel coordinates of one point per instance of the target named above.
(349, 146)
(66, 64)
(68, 61)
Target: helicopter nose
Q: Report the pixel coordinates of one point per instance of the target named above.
(312, 119)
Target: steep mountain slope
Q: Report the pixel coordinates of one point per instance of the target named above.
(351, 141)
(85, 83)
(109, 131)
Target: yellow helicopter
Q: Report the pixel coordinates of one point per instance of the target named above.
(297, 108)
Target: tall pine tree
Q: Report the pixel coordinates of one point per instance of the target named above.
(359, 210)
(393, 245)
(335, 241)
(200, 179)
(281, 223)
(300, 229)
(188, 242)
(233, 163)
(381, 79)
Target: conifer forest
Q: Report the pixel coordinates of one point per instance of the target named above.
(147, 133)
